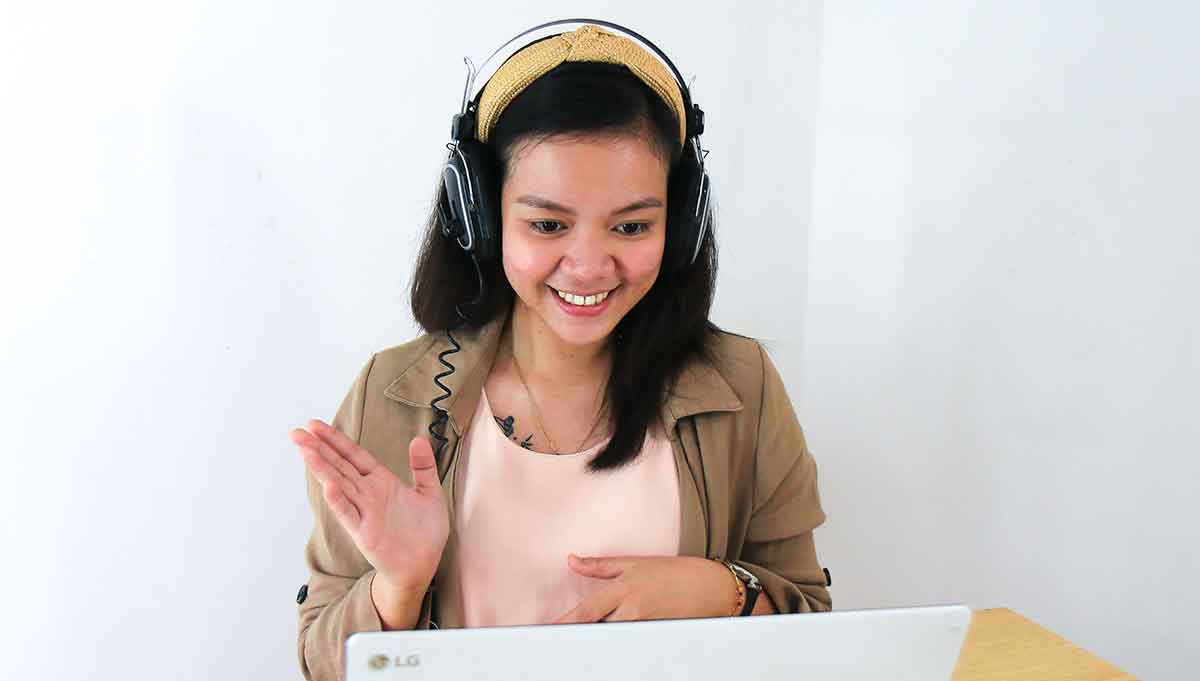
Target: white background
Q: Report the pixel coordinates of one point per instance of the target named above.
(967, 232)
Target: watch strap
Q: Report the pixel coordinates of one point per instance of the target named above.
(751, 598)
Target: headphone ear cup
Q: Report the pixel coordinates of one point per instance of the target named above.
(704, 215)
(688, 189)
(482, 169)
(453, 201)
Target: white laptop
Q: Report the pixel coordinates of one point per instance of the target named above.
(894, 644)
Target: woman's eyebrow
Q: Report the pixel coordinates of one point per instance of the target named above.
(547, 204)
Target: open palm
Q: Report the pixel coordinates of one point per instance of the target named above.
(400, 529)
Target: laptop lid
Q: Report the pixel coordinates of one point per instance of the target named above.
(892, 644)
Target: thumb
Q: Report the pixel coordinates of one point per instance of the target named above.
(423, 465)
(603, 567)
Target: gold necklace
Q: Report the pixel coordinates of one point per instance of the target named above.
(538, 414)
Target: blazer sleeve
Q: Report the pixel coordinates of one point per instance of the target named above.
(339, 601)
(779, 548)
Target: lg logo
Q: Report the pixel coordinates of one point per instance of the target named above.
(382, 661)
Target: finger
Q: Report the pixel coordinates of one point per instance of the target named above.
(622, 613)
(332, 482)
(321, 468)
(356, 454)
(343, 509)
(423, 465)
(593, 608)
(335, 459)
(600, 567)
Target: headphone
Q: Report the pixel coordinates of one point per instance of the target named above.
(470, 210)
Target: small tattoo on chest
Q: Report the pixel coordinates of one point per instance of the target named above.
(506, 425)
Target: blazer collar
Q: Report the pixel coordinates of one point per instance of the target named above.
(700, 388)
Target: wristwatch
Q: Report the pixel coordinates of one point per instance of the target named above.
(753, 587)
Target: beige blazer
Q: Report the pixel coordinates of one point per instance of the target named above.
(747, 482)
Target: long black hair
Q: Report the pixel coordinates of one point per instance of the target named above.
(668, 328)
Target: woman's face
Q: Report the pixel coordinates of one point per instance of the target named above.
(584, 218)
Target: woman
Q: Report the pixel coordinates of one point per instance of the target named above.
(608, 448)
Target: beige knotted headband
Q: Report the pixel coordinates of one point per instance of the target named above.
(586, 43)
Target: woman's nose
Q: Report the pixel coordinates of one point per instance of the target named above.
(589, 255)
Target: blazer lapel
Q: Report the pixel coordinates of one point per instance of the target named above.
(700, 388)
(473, 360)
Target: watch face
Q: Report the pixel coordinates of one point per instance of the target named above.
(747, 577)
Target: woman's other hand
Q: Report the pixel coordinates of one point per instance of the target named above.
(653, 587)
(400, 529)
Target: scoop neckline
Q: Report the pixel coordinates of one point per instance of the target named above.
(487, 405)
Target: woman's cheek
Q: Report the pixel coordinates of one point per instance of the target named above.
(525, 269)
(646, 262)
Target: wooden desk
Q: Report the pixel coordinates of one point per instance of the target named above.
(1003, 646)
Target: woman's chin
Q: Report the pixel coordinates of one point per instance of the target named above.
(581, 331)
(589, 332)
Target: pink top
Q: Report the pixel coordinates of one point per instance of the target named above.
(521, 512)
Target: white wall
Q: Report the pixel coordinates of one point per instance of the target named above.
(208, 214)
(208, 217)
(1000, 361)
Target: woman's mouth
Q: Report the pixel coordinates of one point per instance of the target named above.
(583, 305)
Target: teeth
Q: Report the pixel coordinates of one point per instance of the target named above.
(594, 299)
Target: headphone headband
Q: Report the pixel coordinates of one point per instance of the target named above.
(693, 119)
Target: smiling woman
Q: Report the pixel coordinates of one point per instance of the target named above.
(609, 452)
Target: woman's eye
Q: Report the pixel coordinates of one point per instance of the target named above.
(544, 226)
(639, 228)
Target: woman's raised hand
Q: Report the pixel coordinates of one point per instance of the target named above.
(400, 529)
